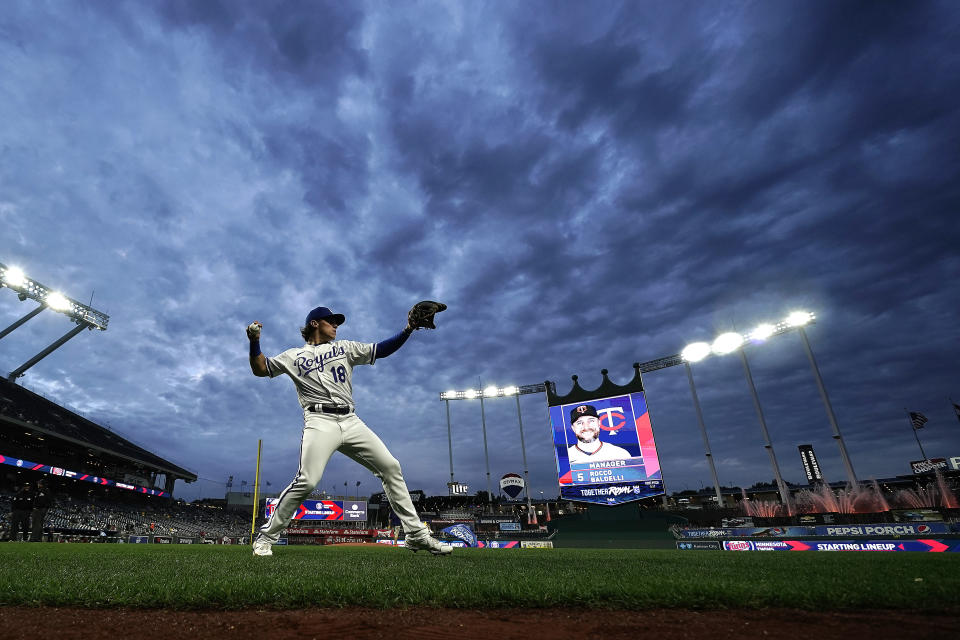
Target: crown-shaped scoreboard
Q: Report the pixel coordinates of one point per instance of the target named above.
(603, 441)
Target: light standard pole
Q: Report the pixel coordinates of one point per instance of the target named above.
(449, 439)
(523, 449)
(848, 465)
(486, 454)
(768, 445)
(703, 432)
(730, 342)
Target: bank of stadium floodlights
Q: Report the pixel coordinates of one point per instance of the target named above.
(492, 392)
(735, 342)
(26, 288)
(724, 344)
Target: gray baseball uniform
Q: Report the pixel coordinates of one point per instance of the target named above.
(323, 376)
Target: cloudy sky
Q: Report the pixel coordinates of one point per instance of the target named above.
(586, 185)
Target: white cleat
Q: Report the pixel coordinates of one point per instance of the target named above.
(262, 548)
(428, 543)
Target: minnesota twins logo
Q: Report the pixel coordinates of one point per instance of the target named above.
(612, 419)
(582, 409)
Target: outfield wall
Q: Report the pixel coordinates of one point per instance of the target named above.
(624, 527)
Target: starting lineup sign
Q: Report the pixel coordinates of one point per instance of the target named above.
(324, 510)
(842, 545)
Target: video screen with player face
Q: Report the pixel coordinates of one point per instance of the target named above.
(605, 450)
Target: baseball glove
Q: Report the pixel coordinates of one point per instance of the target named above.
(421, 315)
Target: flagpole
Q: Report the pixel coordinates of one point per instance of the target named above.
(915, 434)
(256, 492)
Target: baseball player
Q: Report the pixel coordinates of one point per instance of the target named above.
(589, 448)
(322, 371)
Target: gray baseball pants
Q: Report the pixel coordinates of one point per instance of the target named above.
(324, 433)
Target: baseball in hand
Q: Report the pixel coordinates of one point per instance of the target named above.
(253, 330)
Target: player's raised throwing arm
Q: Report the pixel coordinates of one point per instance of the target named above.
(258, 362)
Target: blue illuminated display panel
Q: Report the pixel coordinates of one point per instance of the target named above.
(324, 510)
(605, 449)
(40, 467)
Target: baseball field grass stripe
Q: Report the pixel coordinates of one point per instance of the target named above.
(201, 577)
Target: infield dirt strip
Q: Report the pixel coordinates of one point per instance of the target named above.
(493, 624)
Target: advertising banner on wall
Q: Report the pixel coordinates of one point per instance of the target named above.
(41, 467)
(512, 485)
(929, 465)
(926, 545)
(503, 544)
(324, 510)
(699, 545)
(811, 466)
(764, 532)
(844, 531)
(604, 444)
(463, 532)
(898, 529)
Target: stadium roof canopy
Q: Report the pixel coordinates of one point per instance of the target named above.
(24, 408)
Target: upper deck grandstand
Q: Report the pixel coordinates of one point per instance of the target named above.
(37, 429)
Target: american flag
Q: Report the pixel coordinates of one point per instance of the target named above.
(956, 409)
(918, 419)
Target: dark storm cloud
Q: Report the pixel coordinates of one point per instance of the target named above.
(584, 189)
(332, 167)
(313, 43)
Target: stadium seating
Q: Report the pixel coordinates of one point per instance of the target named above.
(96, 515)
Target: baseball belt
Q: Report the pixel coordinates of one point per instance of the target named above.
(329, 408)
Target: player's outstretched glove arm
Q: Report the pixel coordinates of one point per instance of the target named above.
(421, 316)
(390, 345)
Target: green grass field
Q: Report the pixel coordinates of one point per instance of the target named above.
(225, 577)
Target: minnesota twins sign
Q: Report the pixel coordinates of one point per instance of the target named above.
(604, 443)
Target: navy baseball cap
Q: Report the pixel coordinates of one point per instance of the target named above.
(322, 313)
(583, 410)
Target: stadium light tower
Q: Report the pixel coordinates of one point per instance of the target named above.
(799, 320)
(493, 391)
(728, 343)
(84, 316)
(767, 443)
(695, 353)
